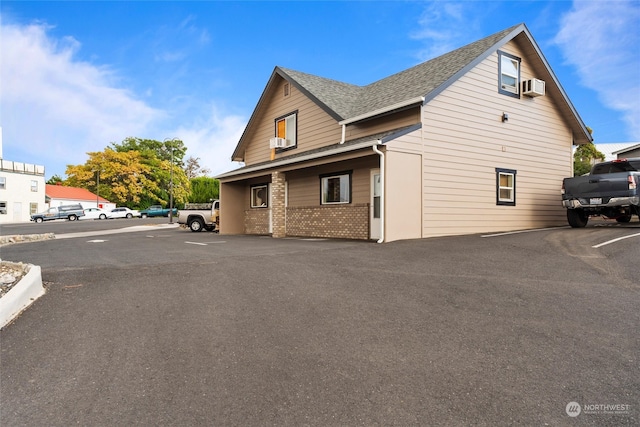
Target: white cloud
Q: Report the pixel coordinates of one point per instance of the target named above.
(213, 139)
(56, 107)
(443, 27)
(601, 40)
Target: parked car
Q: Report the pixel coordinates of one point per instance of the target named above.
(158, 210)
(611, 189)
(123, 213)
(70, 212)
(95, 213)
(199, 216)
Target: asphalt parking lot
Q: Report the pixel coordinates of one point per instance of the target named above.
(168, 327)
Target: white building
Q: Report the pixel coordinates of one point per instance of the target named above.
(22, 190)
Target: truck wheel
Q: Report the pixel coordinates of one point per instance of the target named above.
(577, 218)
(196, 225)
(72, 217)
(624, 219)
(38, 220)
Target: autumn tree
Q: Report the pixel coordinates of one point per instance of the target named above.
(166, 167)
(136, 173)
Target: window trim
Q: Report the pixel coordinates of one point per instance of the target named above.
(275, 130)
(325, 176)
(3, 183)
(34, 185)
(251, 200)
(501, 90)
(501, 201)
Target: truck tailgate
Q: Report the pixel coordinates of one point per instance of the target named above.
(610, 185)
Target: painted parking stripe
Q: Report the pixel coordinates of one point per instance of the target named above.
(522, 231)
(608, 242)
(205, 244)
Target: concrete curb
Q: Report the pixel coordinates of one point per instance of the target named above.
(22, 295)
(21, 238)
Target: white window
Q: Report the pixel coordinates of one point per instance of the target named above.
(3, 183)
(505, 187)
(33, 208)
(336, 189)
(3, 208)
(509, 74)
(34, 186)
(260, 196)
(286, 127)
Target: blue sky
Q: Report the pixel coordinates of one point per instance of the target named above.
(76, 76)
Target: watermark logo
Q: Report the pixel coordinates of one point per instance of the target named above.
(573, 409)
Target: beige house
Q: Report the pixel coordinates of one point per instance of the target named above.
(475, 141)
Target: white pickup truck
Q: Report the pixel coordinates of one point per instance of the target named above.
(200, 216)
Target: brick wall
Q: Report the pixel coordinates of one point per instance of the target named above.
(279, 220)
(256, 221)
(337, 222)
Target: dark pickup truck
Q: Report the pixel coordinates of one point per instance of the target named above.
(611, 189)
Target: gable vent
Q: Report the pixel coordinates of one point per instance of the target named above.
(533, 87)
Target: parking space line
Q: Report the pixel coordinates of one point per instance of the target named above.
(522, 231)
(608, 242)
(196, 243)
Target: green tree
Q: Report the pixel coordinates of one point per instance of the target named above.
(584, 158)
(166, 169)
(124, 177)
(204, 189)
(55, 179)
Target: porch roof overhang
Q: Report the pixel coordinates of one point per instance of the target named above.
(328, 151)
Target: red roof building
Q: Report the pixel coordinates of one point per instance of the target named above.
(57, 195)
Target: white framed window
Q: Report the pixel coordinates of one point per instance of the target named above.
(3, 183)
(33, 208)
(286, 128)
(260, 196)
(509, 71)
(335, 188)
(3, 208)
(505, 187)
(34, 186)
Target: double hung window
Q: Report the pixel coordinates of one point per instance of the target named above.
(509, 71)
(505, 187)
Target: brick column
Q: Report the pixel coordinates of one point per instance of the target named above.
(278, 211)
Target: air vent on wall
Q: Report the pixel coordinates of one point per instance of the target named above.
(277, 143)
(533, 87)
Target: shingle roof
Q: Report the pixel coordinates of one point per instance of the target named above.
(70, 193)
(349, 101)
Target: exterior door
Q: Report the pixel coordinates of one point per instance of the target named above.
(17, 211)
(375, 205)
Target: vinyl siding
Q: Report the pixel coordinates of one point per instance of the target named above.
(304, 184)
(384, 123)
(315, 128)
(465, 141)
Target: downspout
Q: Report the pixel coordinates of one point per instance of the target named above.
(344, 134)
(382, 206)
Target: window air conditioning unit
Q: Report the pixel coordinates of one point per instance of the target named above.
(533, 87)
(277, 143)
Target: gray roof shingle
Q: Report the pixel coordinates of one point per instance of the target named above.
(348, 101)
